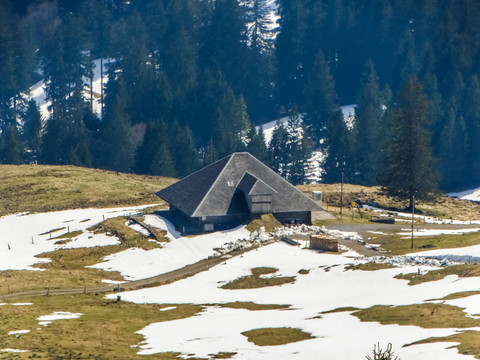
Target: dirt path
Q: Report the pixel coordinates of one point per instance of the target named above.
(158, 280)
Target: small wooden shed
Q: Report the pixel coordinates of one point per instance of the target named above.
(323, 242)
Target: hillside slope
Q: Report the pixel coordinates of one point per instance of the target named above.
(38, 188)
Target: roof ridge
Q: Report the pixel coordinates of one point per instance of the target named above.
(284, 180)
(216, 180)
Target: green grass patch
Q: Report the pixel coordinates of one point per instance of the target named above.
(106, 330)
(39, 188)
(276, 336)
(248, 305)
(424, 315)
(465, 270)
(370, 266)
(340, 309)
(469, 342)
(255, 280)
(267, 221)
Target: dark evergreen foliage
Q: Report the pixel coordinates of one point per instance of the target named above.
(338, 146)
(369, 127)
(409, 168)
(210, 69)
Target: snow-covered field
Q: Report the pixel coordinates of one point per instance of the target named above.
(326, 286)
(219, 329)
(23, 236)
(135, 264)
(472, 195)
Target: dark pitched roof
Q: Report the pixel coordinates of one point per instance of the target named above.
(251, 185)
(212, 190)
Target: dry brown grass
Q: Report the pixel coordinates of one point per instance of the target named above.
(469, 342)
(340, 309)
(461, 295)
(276, 336)
(442, 206)
(267, 221)
(67, 268)
(129, 237)
(255, 280)
(38, 188)
(424, 315)
(370, 266)
(248, 305)
(106, 330)
(465, 270)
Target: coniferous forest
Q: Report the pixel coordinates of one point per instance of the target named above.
(189, 80)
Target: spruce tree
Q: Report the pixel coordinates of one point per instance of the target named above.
(117, 148)
(256, 144)
(225, 43)
(368, 126)
(298, 148)
(320, 96)
(32, 131)
(12, 150)
(162, 162)
(409, 167)
(183, 146)
(278, 150)
(338, 147)
(454, 151)
(472, 122)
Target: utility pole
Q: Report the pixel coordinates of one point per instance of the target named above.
(341, 197)
(413, 216)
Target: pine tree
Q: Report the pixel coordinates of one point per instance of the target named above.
(368, 127)
(65, 65)
(454, 153)
(162, 162)
(290, 47)
(117, 148)
(472, 122)
(12, 151)
(298, 148)
(338, 147)
(230, 124)
(257, 145)
(409, 168)
(320, 96)
(278, 151)
(183, 146)
(32, 131)
(225, 43)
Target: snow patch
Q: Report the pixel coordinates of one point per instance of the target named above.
(46, 320)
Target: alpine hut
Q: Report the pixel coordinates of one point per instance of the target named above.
(236, 189)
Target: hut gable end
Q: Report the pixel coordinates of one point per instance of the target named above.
(237, 185)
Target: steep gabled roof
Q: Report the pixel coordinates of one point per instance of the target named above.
(188, 193)
(210, 191)
(251, 185)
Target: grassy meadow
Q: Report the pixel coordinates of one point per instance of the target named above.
(39, 188)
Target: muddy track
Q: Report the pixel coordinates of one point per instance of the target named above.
(158, 280)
